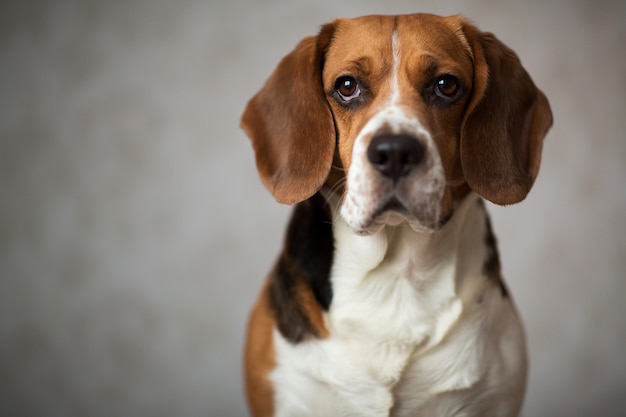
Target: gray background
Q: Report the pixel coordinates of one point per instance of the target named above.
(134, 233)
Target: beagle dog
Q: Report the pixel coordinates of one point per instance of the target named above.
(386, 133)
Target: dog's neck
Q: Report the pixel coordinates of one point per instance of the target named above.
(402, 285)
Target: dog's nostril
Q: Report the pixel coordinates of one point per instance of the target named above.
(378, 157)
(395, 156)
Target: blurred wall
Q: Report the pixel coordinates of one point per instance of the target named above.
(134, 233)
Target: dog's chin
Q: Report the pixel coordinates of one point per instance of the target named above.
(394, 213)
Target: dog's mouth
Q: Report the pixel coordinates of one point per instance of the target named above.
(392, 212)
(393, 205)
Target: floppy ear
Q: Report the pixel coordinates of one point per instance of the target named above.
(291, 125)
(504, 124)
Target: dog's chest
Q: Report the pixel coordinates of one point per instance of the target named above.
(391, 310)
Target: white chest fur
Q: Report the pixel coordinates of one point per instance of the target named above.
(412, 320)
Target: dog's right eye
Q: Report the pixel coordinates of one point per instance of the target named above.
(347, 89)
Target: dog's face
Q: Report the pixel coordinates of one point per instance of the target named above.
(399, 117)
(398, 100)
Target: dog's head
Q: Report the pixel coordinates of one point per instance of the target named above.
(400, 117)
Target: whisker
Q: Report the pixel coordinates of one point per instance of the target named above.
(338, 185)
(336, 211)
(332, 191)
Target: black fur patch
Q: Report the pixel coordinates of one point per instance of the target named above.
(306, 260)
(491, 266)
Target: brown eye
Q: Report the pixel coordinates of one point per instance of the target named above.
(347, 88)
(447, 87)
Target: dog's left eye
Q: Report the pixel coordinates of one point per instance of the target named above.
(447, 87)
(347, 88)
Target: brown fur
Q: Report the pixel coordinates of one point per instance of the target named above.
(259, 358)
(312, 309)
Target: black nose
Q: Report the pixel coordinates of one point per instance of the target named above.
(395, 156)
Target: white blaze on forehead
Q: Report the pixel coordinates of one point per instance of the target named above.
(395, 50)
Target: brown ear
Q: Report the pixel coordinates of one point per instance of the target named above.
(290, 123)
(504, 125)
